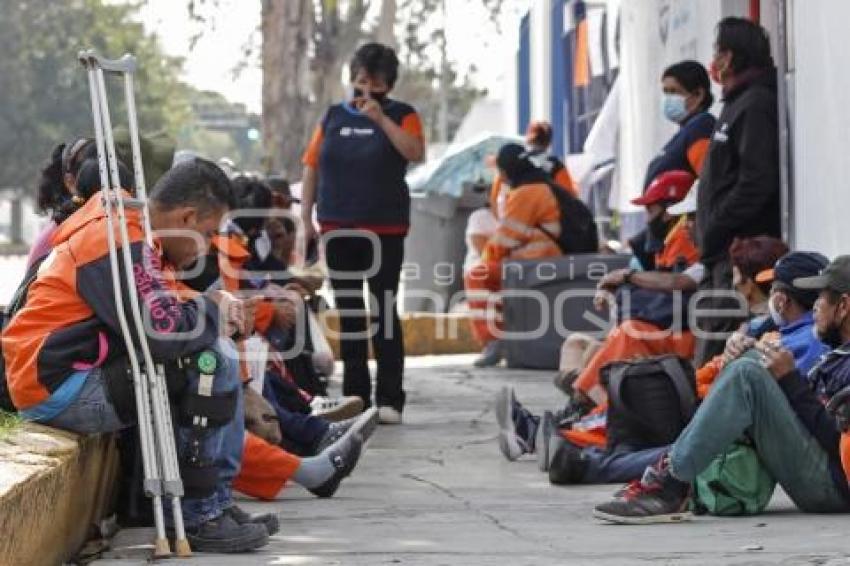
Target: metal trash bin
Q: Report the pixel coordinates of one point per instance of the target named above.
(536, 320)
(435, 248)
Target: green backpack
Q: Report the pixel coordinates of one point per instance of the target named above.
(735, 483)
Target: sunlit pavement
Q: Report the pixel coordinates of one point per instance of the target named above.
(437, 491)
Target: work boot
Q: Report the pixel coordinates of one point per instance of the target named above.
(490, 356)
(268, 520)
(658, 497)
(517, 426)
(567, 464)
(344, 457)
(223, 535)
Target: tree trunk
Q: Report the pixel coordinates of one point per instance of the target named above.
(386, 24)
(287, 122)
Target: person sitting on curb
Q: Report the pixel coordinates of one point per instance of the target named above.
(67, 367)
(532, 219)
(765, 396)
(643, 332)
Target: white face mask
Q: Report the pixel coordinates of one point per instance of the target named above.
(775, 315)
(674, 107)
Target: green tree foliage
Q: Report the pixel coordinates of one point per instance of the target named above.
(44, 97)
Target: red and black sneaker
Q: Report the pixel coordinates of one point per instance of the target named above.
(658, 497)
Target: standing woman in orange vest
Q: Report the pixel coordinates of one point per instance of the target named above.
(354, 170)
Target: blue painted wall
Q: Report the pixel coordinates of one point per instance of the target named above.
(524, 75)
(559, 100)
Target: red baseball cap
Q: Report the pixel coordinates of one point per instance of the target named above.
(669, 187)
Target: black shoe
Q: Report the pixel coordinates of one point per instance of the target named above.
(364, 424)
(545, 436)
(268, 520)
(567, 464)
(344, 458)
(564, 381)
(573, 411)
(658, 497)
(223, 535)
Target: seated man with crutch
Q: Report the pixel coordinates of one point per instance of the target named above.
(67, 364)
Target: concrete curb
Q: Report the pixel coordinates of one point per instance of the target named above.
(54, 487)
(425, 334)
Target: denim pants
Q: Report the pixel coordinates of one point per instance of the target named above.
(92, 412)
(619, 466)
(300, 431)
(747, 400)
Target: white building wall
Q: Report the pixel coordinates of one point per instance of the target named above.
(541, 60)
(821, 201)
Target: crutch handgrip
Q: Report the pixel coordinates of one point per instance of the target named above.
(126, 64)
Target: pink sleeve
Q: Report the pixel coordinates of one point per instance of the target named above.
(42, 245)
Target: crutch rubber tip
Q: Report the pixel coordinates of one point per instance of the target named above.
(182, 548)
(161, 548)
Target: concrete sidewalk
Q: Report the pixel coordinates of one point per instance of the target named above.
(437, 491)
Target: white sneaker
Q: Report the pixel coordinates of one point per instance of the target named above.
(336, 409)
(388, 416)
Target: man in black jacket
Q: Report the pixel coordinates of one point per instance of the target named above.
(739, 185)
(763, 396)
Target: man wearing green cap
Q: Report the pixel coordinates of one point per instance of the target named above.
(766, 398)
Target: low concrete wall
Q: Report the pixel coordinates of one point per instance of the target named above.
(425, 334)
(54, 487)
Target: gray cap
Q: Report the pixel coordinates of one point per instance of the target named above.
(836, 277)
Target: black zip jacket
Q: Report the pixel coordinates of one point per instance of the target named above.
(739, 184)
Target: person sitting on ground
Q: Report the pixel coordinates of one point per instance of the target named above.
(532, 220)
(791, 323)
(68, 370)
(765, 396)
(523, 432)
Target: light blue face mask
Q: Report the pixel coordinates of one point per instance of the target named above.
(674, 108)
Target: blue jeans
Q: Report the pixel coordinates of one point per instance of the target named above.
(300, 431)
(747, 400)
(618, 467)
(92, 412)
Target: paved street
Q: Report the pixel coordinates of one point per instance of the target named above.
(437, 491)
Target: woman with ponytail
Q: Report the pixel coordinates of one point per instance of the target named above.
(57, 190)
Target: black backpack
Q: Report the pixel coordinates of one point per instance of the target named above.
(650, 401)
(579, 234)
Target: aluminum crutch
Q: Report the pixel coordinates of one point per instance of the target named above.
(159, 454)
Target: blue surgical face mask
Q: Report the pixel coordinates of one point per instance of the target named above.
(674, 107)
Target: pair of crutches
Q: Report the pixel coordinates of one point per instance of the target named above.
(156, 435)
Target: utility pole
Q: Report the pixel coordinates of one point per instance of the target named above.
(443, 116)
